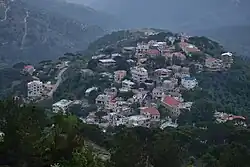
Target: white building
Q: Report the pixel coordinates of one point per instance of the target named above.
(189, 82)
(99, 56)
(139, 74)
(107, 62)
(142, 48)
(162, 73)
(89, 90)
(61, 106)
(114, 55)
(128, 84)
(2, 136)
(35, 89)
(227, 54)
(158, 92)
(138, 120)
(102, 99)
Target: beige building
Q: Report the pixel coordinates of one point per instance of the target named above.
(172, 105)
(139, 74)
(119, 75)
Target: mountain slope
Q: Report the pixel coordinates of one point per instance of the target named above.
(236, 38)
(32, 33)
(177, 15)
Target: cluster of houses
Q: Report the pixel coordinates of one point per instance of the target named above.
(222, 117)
(36, 89)
(155, 92)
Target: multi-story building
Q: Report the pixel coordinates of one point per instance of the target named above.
(102, 99)
(188, 48)
(158, 92)
(189, 82)
(227, 59)
(119, 75)
(213, 64)
(128, 84)
(107, 62)
(162, 73)
(172, 105)
(150, 112)
(142, 48)
(138, 120)
(35, 89)
(61, 106)
(139, 74)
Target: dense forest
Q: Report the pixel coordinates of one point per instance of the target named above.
(29, 137)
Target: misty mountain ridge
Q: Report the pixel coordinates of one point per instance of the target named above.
(227, 21)
(32, 30)
(176, 15)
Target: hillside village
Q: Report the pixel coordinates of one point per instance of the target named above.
(144, 82)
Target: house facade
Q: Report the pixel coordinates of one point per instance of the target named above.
(35, 89)
(119, 75)
(213, 64)
(102, 99)
(106, 62)
(139, 74)
(189, 82)
(61, 106)
(150, 112)
(128, 84)
(172, 105)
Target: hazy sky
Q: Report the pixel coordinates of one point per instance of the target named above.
(175, 14)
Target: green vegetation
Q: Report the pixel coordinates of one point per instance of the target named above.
(32, 139)
(12, 81)
(207, 46)
(225, 91)
(77, 83)
(109, 40)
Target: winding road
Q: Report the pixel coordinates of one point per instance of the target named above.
(58, 82)
(5, 14)
(25, 29)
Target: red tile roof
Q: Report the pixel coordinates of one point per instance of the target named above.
(188, 47)
(179, 54)
(28, 66)
(153, 52)
(237, 117)
(211, 59)
(171, 101)
(151, 111)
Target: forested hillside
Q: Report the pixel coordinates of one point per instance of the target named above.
(30, 138)
(35, 32)
(236, 38)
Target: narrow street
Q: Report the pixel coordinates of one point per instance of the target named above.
(58, 82)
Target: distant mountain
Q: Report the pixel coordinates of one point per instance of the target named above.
(176, 15)
(34, 30)
(235, 38)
